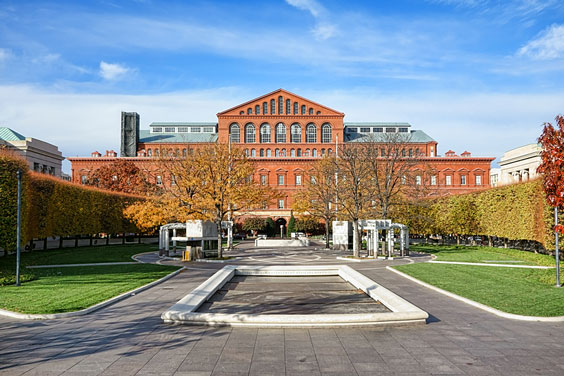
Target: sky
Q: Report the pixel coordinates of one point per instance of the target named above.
(476, 75)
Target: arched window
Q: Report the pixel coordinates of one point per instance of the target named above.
(253, 153)
(247, 152)
(261, 153)
(276, 152)
(149, 153)
(283, 152)
(156, 152)
(326, 134)
(272, 107)
(265, 108)
(184, 152)
(242, 113)
(311, 133)
(280, 105)
(292, 153)
(307, 153)
(235, 133)
(314, 153)
(303, 109)
(288, 107)
(295, 133)
(249, 111)
(265, 133)
(296, 108)
(250, 135)
(257, 110)
(268, 153)
(280, 133)
(329, 151)
(311, 111)
(322, 152)
(299, 152)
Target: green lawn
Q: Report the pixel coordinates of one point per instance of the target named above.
(521, 291)
(484, 255)
(65, 289)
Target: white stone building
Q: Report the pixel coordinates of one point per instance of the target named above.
(41, 156)
(519, 164)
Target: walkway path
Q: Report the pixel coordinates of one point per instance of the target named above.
(129, 338)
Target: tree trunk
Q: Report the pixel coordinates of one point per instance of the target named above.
(356, 239)
(61, 242)
(219, 248)
(107, 239)
(44, 244)
(90, 238)
(457, 239)
(326, 234)
(123, 239)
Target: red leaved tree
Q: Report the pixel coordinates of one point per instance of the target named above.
(552, 166)
(121, 176)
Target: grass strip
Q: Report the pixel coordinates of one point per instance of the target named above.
(529, 292)
(482, 254)
(69, 289)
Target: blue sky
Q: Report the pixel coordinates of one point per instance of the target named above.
(475, 75)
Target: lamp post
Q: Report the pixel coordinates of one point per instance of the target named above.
(556, 248)
(18, 228)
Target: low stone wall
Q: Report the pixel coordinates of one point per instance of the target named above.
(299, 242)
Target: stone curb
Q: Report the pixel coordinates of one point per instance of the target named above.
(356, 260)
(479, 305)
(27, 316)
(496, 265)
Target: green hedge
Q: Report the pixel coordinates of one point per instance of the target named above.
(52, 207)
(513, 212)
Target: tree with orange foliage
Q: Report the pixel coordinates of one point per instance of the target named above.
(213, 182)
(317, 198)
(121, 176)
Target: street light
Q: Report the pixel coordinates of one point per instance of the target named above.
(18, 228)
(556, 248)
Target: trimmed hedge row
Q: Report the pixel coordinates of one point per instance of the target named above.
(513, 212)
(52, 207)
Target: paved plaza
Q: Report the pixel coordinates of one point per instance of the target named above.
(129, 337)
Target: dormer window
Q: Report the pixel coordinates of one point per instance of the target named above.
(182, 129)
(377, 130)
(170, 130)
(157, 130)
(352, 130)
(403, 130)
(390, 130)
(208, 130)
(195, 129)
(364, 130)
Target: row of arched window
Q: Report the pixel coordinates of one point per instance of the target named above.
(250, 133)
(282, 153)
(280, 108)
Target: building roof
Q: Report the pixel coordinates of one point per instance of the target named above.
(181, 124)
(415, 136)
(147, 137)
(375, 124)
(8, 134)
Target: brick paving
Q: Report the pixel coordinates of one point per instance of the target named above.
(129, 338)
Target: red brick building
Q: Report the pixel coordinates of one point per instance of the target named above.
(284, 133)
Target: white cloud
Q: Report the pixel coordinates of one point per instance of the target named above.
(5, 54)
(549, 45)
(113, 71)
(311, 6)
(323, 28)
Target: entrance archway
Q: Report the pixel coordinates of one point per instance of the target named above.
(280, 222)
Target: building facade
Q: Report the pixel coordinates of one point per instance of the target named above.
(41, 156)
(519, 164)
(284, 134)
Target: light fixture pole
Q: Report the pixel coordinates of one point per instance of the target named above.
(18, 226)
(556, 248)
